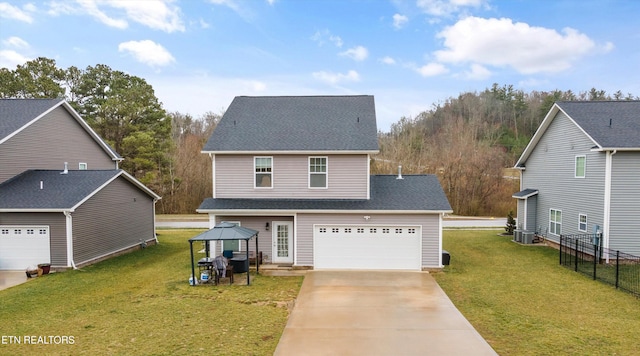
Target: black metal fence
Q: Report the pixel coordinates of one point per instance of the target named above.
(585, 254)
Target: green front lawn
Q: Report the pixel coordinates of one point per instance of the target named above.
(524, 303)
(141, 304)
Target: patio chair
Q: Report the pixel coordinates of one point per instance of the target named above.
(222, 269)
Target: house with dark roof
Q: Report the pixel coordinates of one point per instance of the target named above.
(63, 200)
(297, 170)
(580, 174)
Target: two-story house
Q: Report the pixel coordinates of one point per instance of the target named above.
(63, 200)
(297, 170)
(580, 174)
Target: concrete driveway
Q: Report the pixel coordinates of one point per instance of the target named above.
(377, 313)
(11, 278)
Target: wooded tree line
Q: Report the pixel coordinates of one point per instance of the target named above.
(467, 141)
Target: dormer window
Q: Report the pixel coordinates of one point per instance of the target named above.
(317, 172)
(263, 172)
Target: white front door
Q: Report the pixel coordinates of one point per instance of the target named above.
(282, 237)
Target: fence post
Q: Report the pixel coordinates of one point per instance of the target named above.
(576, 257)
(617, 267)
(560, 250)
(595, 260)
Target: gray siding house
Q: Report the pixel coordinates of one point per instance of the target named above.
(63, 199)
(580, 174)
(296, 169)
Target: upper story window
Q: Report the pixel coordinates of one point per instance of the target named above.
(581, 166)
(263, 172)
(317, 172)
(582, 222)
(555, 222)
(82, 166)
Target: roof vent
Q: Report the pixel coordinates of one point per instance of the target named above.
(41, 185)
(66, 168)
(399, 173)
(610, 122)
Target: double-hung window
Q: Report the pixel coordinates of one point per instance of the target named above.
(582, 222)
(263, 172)
(581, 166)
(317, 172)
(555, 222)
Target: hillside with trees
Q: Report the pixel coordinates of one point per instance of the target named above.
(468, 141)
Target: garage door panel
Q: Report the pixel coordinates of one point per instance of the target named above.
(353, 247)
(23, 246)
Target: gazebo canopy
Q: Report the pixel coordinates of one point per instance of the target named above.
(225, 231)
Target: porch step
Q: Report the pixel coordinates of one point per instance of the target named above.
(281, 270)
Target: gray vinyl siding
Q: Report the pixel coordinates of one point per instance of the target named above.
(347, 177)
(551, 169)
(532, 203)
(257, 223)
(624, 231)
(48, 143)
(521, 217)
(117, 217)
(429, 223)
(57, 231)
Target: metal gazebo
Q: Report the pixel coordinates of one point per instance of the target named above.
(225, 231)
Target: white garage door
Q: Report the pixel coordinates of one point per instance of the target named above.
(367, 247)
(23, 246)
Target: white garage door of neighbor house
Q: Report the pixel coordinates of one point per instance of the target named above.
(23, 246)
(367, 247)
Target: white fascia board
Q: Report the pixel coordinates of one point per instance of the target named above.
(32, 121)
(553, 112)
(293, 152)
(128, 177)
(258, 212)
(47, 210)
(605, 149)
(94, 135)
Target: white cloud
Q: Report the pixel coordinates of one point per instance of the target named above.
(500, 43)
(155, 14)
(388, 60)
(147, 52)
(11, 59)
(243, 11)
(399, 21)
(321, 37)
(9, 11)
(271, 2)
(358, 53)
(432, 69)
(335, 78)
(447, 7)
(15, 42)
(478, 72)
(204, 24)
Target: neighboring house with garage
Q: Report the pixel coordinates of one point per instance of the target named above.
(63, 199)
(580, 174)
(297, 169)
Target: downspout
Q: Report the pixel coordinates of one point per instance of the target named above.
(69, 229)
(607, 199)
(155, 235)
(213, 174)
(440, 217)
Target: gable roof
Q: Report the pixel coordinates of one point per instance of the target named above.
(296, 123)
(18, 114)
(60, 192)
(413, 193)
(610, 125)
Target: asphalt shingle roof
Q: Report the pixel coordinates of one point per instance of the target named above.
(296, 123)
(594, 117)
(59, 191)
(15, 113)
(412, 193)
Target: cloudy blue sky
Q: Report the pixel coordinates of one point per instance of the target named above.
(409, 54)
